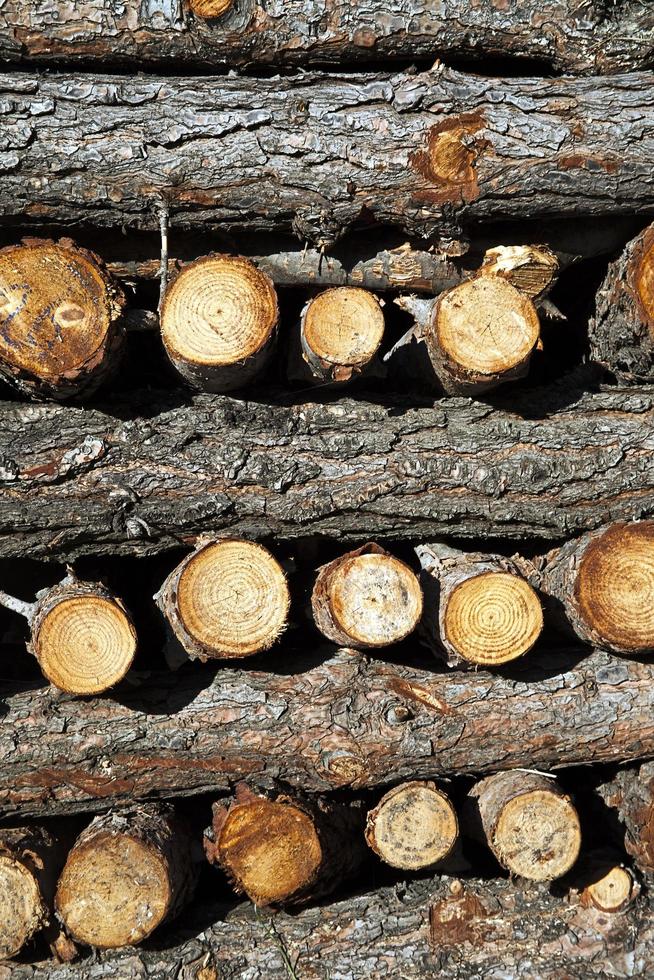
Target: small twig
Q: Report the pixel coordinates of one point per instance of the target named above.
(19, 606)
(164, 217)
(271, 929)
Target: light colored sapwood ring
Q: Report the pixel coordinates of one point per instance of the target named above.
(486, 327)
(614, 587)
(22, 911)
(537, 835)
(493, 618)
(375, 599)
(85, 644)
(413, 826)
(270, 849)
(114, 891)
(219, 311)
(344, 326)
(613, 891)
(233, 598)
(645, 285)
(55, 309)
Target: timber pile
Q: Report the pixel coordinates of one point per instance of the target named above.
(326, 489)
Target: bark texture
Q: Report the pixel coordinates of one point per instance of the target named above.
(429, 153)
(421, 930)
(545, 463)
(631, 794)
(622, 330)
(594, 38)
(321, 724)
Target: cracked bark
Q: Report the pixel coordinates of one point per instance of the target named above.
(631, 795)
(321, 724)
(430, 153)
(593, 38)
(154, 470)
(423, 929)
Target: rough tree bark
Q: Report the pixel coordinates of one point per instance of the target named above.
(543, 463)
(594, 38)
(439, 927)
(631, 794)
(321, 724)
(429, 153)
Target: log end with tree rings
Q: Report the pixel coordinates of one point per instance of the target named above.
(271, 850)
(22, 911)
(232, 599)
(414, 826)
(532, 269)
(84, 643)
(644, 278)
(610, 888)
(58, 311)
(482, 333)
(366, 598)
(614, 588)
(341, 330)
(492, 618)
(218, 322)
(210, 9)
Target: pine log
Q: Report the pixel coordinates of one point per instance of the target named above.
(414, 826)
(214, 33)
(81, 635)
(478, 608)
(219, 322)
(126, 874)
(603, 582)
(438, 927)
(631, 795)
(622, 329)
(228, 599)
(30, 861)
(59, 335)
(429, 153)
(340, 333)
(527, 821)
(546, 464)
(327, 721)
(604, 881)
(366, 598)
(284, 850)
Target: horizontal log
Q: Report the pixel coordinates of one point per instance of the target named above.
(438, 927)
(428, 153)
(134, 33)
(325, 721)
(153, 470)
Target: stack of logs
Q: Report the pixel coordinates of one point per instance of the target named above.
(395, 686)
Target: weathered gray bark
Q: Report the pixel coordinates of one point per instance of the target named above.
(631, 795)
(440, 927)
(621, 332)
(543, 463)
(428, 152)
(321, 724)
(594, 38)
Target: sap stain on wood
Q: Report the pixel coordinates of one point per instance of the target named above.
(449, 159)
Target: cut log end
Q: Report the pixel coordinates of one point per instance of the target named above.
(492, 618)
(233, 598)
(413, 826)
(530, 268)
(537, 835)
(57, 306)
(645, 284)
(614, 587)
(210, 9)
(219, 314)
(342, 329)
(114, 891)
(374, 599)
(22, 912)
(612, 890)
(271, 850)
(85, 644)
(484, 331)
